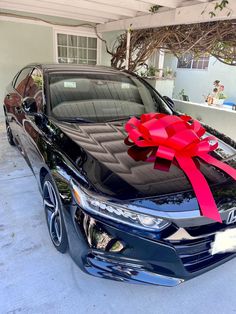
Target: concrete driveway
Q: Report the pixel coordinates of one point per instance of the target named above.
(35, 278)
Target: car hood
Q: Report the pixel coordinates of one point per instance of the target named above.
(109, 168)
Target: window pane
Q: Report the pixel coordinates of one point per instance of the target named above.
(62, 52)
(62, 60)
(83, 53)
(92, 42)
(185, 65)
(82, 42)
(185, 61)
(92, 54)
(73, 52)
(205, 59)
(72, 60)
(83, 61)
(205, 64)
(62, 39)
(76, 49)
(195, 64)
(72, 40)
(200, 64)
(92, 62)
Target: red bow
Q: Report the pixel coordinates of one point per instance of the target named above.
(165, 138)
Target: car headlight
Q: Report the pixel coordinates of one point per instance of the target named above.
(118, 213)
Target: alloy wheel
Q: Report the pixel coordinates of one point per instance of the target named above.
(53, 214)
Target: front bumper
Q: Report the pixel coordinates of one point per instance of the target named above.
(125, 271)
(119, 253)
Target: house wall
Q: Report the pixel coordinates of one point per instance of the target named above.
(22, 44)
(197, 83)
(27, 42)
(110, 38)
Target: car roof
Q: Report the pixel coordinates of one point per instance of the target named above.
(52, 67)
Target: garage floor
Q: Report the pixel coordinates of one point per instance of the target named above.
(34, 278)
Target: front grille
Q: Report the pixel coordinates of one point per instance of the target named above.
(195, 254)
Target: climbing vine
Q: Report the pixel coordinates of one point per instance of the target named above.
(215, 38)
(219, 6)
(155, 8)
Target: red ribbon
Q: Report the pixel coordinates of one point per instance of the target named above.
(164, 139)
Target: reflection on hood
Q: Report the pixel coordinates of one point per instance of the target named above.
(115, 169)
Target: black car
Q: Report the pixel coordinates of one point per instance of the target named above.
(119, 218)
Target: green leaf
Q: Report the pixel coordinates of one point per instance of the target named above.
(154, 8)
(212, 14)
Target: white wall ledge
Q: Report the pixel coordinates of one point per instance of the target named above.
(221, 119)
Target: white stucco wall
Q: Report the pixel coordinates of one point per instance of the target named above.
(164, 87)
(218, 118)
(197, 83)
(110, 38)
(22, 44)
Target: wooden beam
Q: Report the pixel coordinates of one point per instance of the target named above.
(164, 3)
(127, 50)
(134, 4)
(63, 8)
(198, 13)
(82, 4)
(187, 3)
(51, 12)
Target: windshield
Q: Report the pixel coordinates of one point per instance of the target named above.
(101, 97)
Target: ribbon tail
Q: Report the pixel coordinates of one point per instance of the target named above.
(201, 188)
(219, 164)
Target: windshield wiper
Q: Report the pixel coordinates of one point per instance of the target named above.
(123, 118)
(75, 120)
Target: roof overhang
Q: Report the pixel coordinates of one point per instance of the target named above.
(113, 15)
(194, 13)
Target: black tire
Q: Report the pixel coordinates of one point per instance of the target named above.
(53, 213)
(9, 135)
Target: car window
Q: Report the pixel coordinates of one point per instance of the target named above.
(34, 88)
(102, 97)
(21, 81)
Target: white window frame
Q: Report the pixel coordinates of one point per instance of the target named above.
(82, 31)
(193, 69)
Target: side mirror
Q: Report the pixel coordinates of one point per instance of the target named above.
(29, 105)
(169, 101)
(40, 120)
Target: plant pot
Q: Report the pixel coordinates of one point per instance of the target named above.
(185, 97)
(218, 101)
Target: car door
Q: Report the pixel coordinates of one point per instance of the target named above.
(32, 134)
(13, 102)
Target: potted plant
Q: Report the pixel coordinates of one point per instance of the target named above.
(151, 72)
(169, 73)
(219, 100)
(183, 96)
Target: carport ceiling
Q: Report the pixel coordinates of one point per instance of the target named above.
(119, 14)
